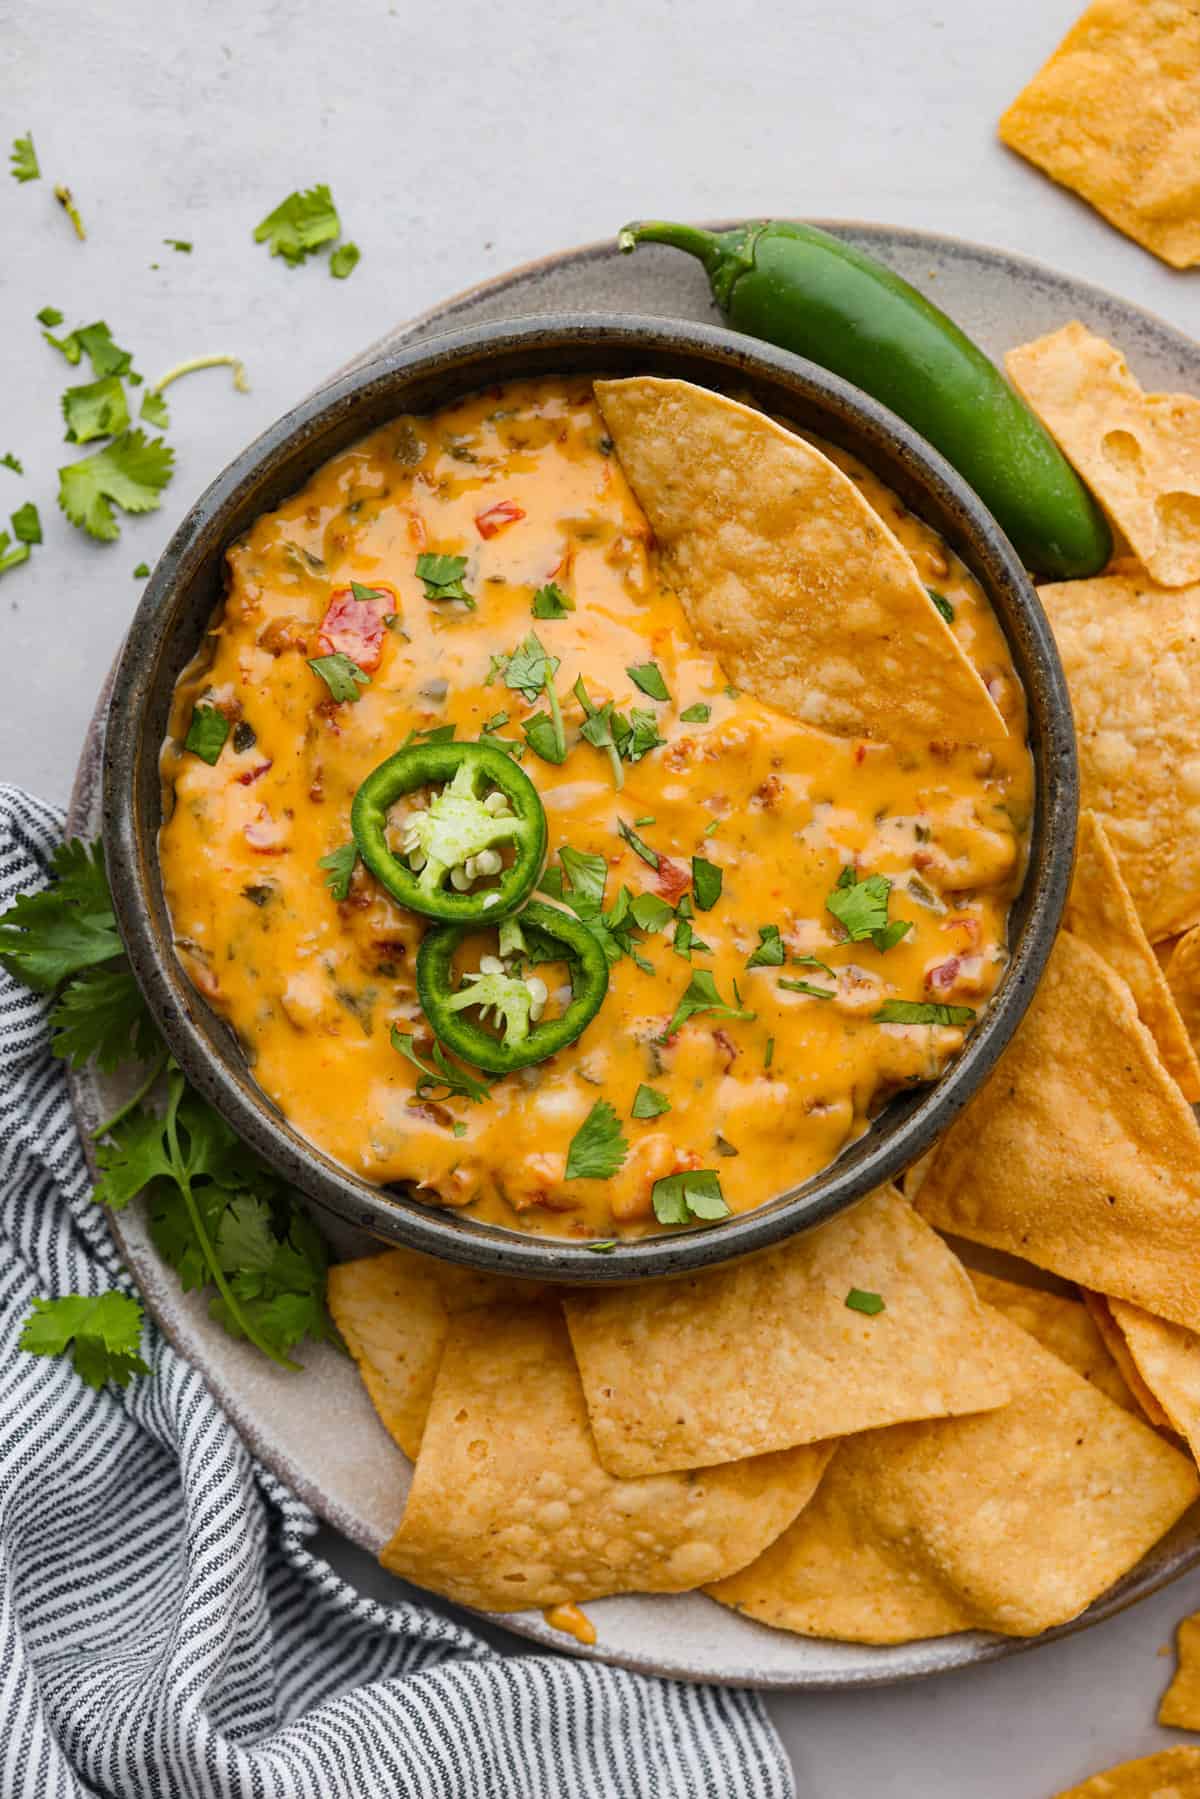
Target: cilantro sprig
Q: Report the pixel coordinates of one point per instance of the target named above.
(341, 675)
(598, 1149)
(701, 995)
(300, 225)
(102, 1333)
(454, 1080)
(861, 908)
(130, 472)
(443, 578)
(693, 1195)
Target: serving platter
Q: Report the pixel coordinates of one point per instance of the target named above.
(317, 1431)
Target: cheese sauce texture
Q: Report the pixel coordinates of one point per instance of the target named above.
(522, 481)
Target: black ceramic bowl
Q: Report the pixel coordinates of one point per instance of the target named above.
(187, 586)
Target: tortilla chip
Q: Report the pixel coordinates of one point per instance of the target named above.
(1167, 1358)
(1080, 1154)
(1138, 452)
(1012, 1520)
(1115, 115)
(765, 1353)
(1183, 978)
(510, 1508)
(394, 1311)
(1171, 1774)
(1101, 913)
(1131, 652)
(785, 572)
(1180, 1705)
(1100, 1312)
(1061, 1325)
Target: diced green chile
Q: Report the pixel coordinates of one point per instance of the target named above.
(456, 826)
(552, 935)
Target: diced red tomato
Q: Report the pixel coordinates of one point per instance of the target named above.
(495, 518)
(672, 880)
(356, 627)
(943, 976)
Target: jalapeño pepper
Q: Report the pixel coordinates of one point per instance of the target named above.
(503, 988)
(811, 293)
(485, 802)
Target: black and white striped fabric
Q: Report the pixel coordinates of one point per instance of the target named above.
(166, 1633)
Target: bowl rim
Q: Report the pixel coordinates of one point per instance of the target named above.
(206, 1051)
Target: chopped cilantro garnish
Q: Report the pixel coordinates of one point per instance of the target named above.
(769, 1052)
(8, 460)
(551, 602)
(300, 224)
(97, 409)
(154, 410)
(770, 952)
(496, 722)
(696, 1193)
(12, 557)
(444, 1073)
(207, 732)
(942, 603)
(861, 908)
(707, 881)
(103, 1333)
(648, 1102)
(807, 987)
(636, 735)
(649, 819)
(23, 158)
(859, 1301)
(344, 260)
(339, 868)
(530, 668)
(342, 676)
(26, 525)
(66, 200)
(131, 471)
(141, 571)
(49, 316)
(636, 845)
(650, 912)
(596, 729)
(701, 995)
(699, 714)
(598, 1148)
(178, 243)
(912, 1011)
(814, 962)
(586, 873)
(603, 1246)
(648, 676)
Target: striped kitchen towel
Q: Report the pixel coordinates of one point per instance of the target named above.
(166, 1633)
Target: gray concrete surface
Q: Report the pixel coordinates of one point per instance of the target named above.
(460, 139)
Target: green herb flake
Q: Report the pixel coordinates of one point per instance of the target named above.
(700, 995)
(49, 316)
(807, 987)
(861, 908)
(650, 913)
(444, 1074)
(103, 1334)
(707, 881)
(207, 732)
(694, 1194)
(586, 873)
(551, 602)
(942, 603)
(909, 1011)
(343, 677)
(699, 714)
(649, 856)
(770, 952)
(603, 1246)
(300, 225)
(97, 409)
(8, 460)
(648, 676)
(141, 572)
(648, 1102)
(598, 1148)
(869, 1303)
(769, 1052)
(344, 260)
(27, 526)
(442, 576)
(339, 868)
(23, 159)
(154, 410)
(178, 243)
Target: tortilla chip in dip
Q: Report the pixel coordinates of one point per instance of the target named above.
(1131, 652)
(786, 574)
(1180, 1707)
(1183, 978)
(394, 1312)
(1012, 1520)
(767, 1352)
(510, 1508)
(1171, 1774)
(1061, 1325)
(1101, 913)
(1115, 115)
(1138, 452)
(1080, 1154)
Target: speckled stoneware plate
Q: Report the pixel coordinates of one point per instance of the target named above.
(317, 1430)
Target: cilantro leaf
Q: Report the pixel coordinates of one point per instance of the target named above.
(443, 578)
(49, 315)
(636, 735)
(650, 913)
(344, 260)
(807, 987)
(444, 1073)
(97, 409)
(602, 1246)
(910, 1011)
(859, 1300)
(544, 735)
(102, 1014)
(648, 1102)
(696, 1193)
(131, 471)
(529, 669)
(12, 558)
(814, 962)
(700, 995)
(649, 677)
(26, 524)
(942, 603)
(861, 908)
(587, 874)
(699, 714)
(551, 602)
(707, 881)
(104, 1335)
(597, 729)
(342, 676)
(47, 937)
(23, 158)
(339, 868)
(141, 571)
(598, 1148)
(300, 224)
(639, 848)
(155, 410)
(106, 357)
(770, 952)
(8, 460)
(207, 732)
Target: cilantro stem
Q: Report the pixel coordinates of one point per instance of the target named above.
(184, 1183)
(135, 1099)
(560, 737)
(205, 362)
